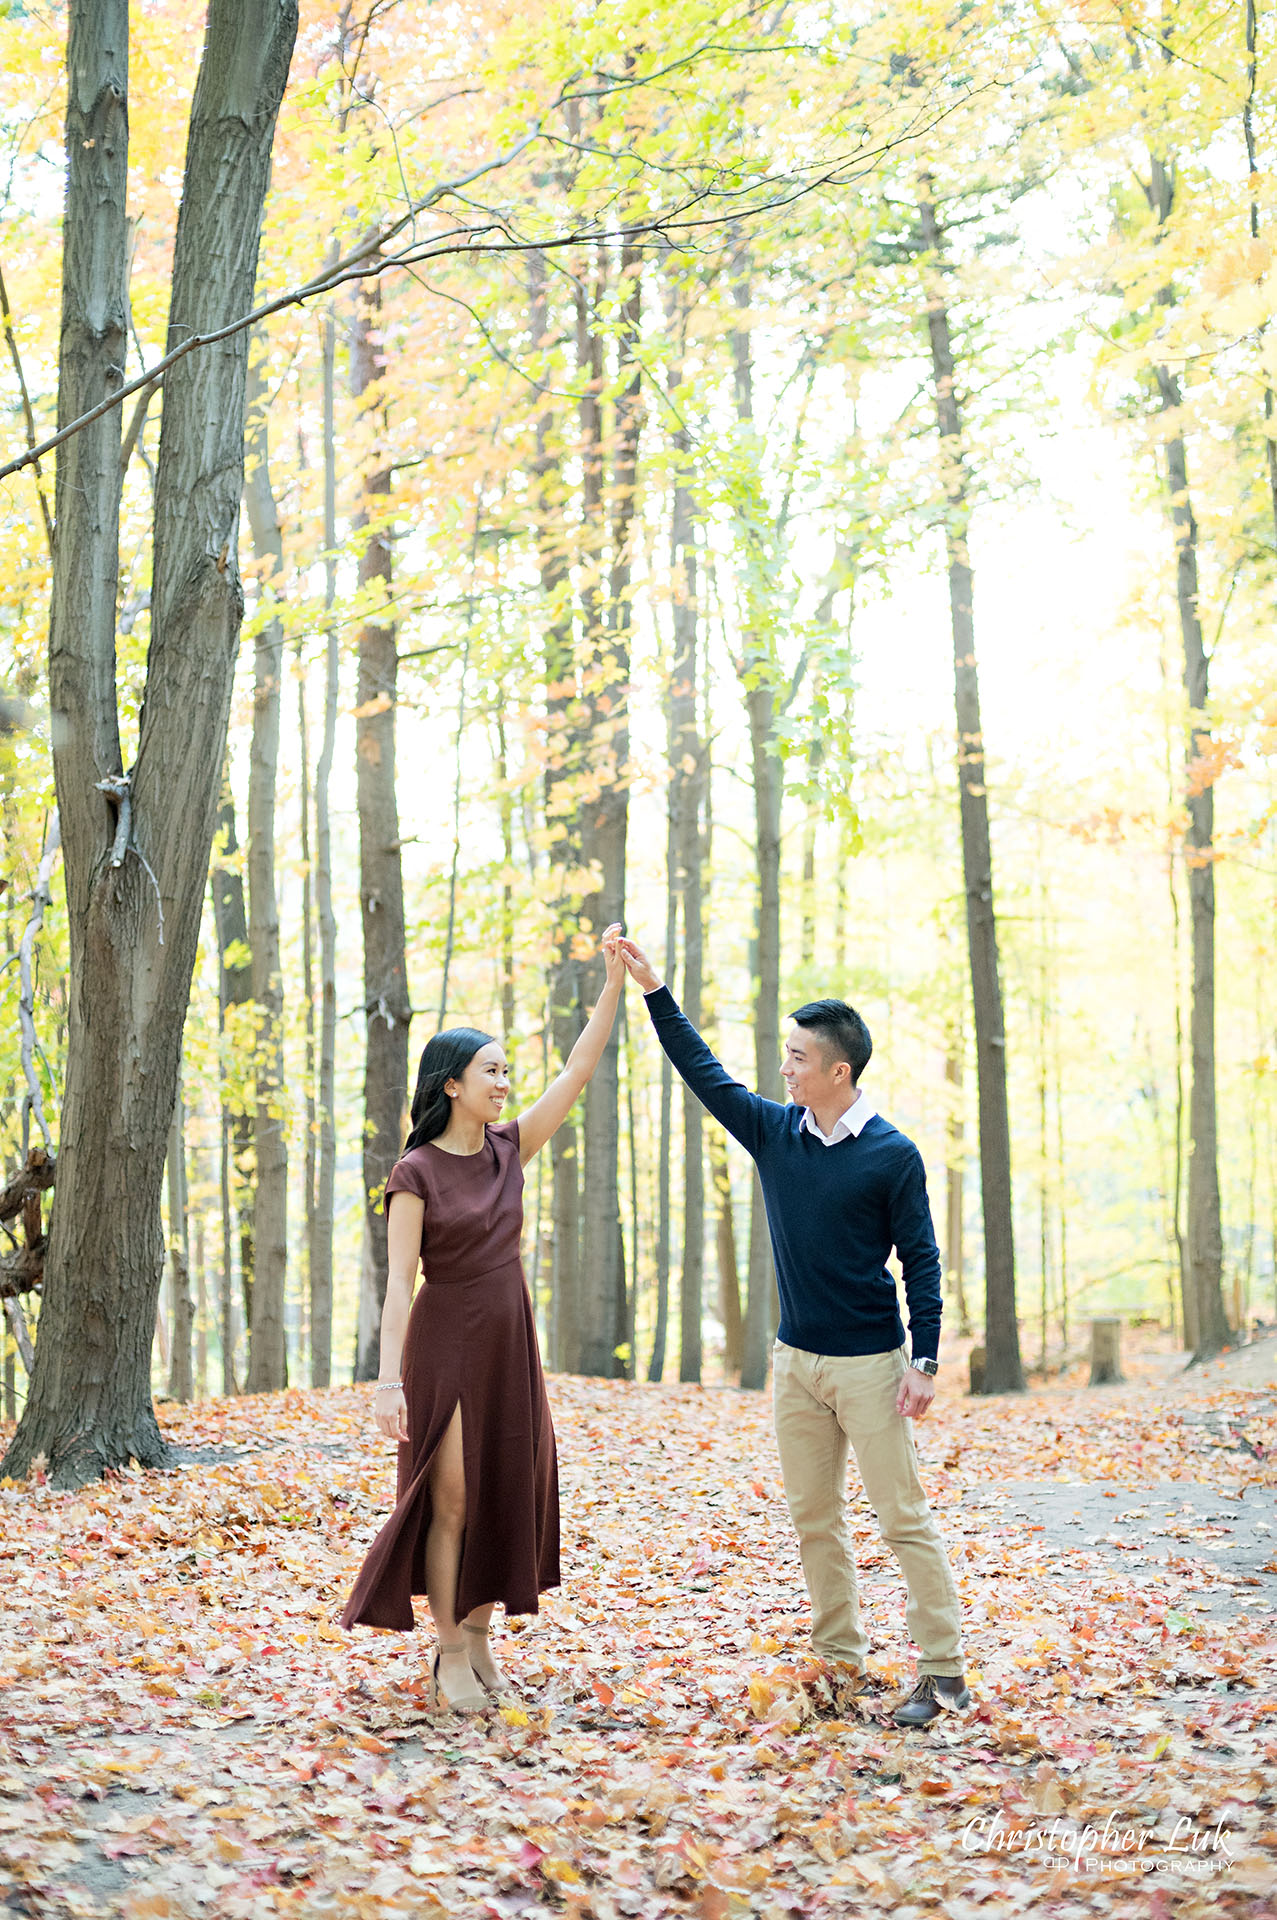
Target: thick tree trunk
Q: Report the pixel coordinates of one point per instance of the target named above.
(320, 1251)
(386, 1006)
(562, 831)
(1003, 1370)
(137, 854)
(267, 1340)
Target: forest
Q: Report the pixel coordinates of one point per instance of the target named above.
(801, 481)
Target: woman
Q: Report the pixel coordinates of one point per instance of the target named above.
(460, 1386)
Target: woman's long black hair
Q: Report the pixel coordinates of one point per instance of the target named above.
(444, 1058)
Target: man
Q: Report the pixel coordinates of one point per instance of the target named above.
(842, 1187)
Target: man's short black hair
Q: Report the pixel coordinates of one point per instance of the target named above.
(841, 1031)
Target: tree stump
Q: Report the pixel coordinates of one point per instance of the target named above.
(976, 1363)
(1106, 1352)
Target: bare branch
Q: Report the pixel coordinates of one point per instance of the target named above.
(367, 260)
(27, 414)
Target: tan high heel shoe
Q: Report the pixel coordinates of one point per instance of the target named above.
(474, 1702)
(503, 1688)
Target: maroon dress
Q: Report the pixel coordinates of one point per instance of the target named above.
(472, 1343)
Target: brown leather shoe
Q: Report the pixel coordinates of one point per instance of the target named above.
(935, 1693)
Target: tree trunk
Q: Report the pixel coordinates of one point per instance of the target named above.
(955, 1154)
(605, 815)
(1204, 1244)
(137, 853)
(235, 990)
(687, 758)
(1003, 1369)
(227, 1292)
(506, 809)
(181, 1379)
(1248, 130)
(201, 1309)
(386, 1006)
(768, 783)
(1206, 1323)
(725, 1248)
(310, 1127)
(267, 1340)
(664, 1150)
(562, 832)
(320, 1252)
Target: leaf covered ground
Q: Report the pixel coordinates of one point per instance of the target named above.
(187, 1732)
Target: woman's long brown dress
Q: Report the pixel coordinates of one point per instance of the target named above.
(472, 1343)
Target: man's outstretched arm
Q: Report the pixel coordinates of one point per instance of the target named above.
(739, 1110)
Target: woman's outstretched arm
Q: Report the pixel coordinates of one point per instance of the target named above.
(548, 1113)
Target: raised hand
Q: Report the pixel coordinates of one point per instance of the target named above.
(638, 966)
(613, 960)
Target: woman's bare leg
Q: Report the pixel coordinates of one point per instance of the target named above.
(443, 1558)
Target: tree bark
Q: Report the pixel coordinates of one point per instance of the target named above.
(1204, 1241)
(1206, 1322)
(687, 757)
(955, 1155)
(562, 832)
(725, 1248)
(235, 990)
(1003, 1370)
(320, 1253)
(768, 784)
(386, 1006)
(664, 1149)
(181, 1380)
(137, 853)
(605, 814)
(267, 1340)
(1248, 130)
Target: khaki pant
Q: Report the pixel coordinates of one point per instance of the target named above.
(822, 1403)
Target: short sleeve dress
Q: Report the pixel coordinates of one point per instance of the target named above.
(472, 1343)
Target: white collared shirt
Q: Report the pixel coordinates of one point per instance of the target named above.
(849, 1124)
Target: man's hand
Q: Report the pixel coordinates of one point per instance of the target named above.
(917, 1391)
(640, 968)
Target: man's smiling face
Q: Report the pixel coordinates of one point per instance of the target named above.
(812, 1080)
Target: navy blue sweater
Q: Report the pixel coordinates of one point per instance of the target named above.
(834, 1212)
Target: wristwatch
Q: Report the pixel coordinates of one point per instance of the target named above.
(930, 1367)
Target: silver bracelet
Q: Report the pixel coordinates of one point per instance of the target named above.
(388, 1386)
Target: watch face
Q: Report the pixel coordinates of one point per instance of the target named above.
(931, 1367)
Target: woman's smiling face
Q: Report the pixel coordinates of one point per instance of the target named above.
(484, 1087)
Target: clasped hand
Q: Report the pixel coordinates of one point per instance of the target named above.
(638, 966)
